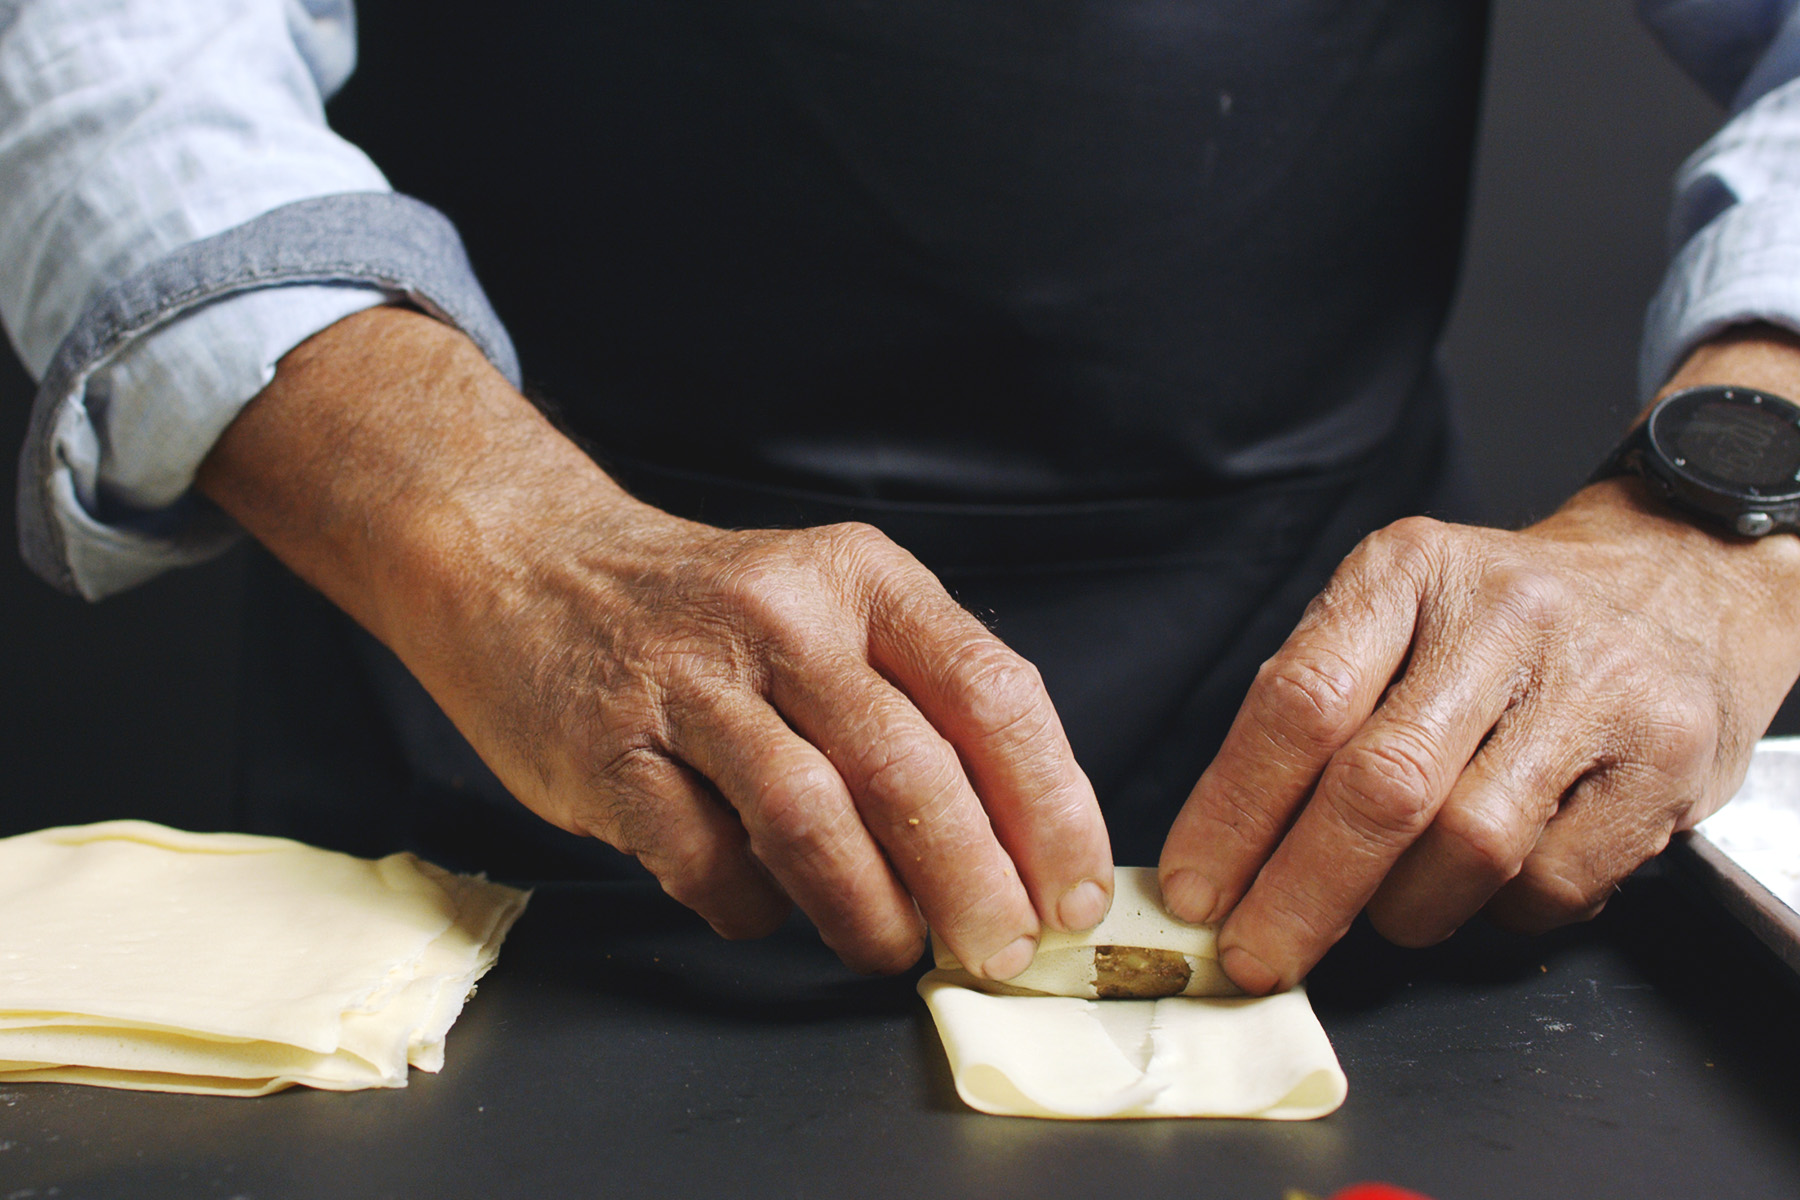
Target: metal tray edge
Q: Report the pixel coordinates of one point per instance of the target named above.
(1761, 911)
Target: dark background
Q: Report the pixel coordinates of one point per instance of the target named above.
(125, 708)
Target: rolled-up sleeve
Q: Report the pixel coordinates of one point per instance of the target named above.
(177, 214)
(1735, 223)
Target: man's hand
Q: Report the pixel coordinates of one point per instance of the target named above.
(755, 715)
(1470, 718)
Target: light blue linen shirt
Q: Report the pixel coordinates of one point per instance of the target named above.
(131, 130)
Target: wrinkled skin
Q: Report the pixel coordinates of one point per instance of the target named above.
(803, 714)
(1470, 718)
(1465, 718)
(758, 716)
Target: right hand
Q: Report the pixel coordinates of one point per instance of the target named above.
(757, 716)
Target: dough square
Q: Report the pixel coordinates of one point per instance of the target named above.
(1044, 1044)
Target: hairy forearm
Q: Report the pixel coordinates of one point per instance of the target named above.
(382, 462)
(1756, 356)
(1767, 569)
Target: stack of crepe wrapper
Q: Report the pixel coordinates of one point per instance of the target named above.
(1060, 1039)
(137, 956)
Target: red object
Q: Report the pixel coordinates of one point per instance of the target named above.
(1377, 1191)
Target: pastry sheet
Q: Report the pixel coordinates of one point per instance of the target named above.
(1016, 1052)
(137, 956)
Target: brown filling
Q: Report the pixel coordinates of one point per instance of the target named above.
(1134, 973)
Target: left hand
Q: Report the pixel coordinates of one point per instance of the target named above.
(1470, 718)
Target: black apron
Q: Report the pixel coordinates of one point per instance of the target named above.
(1120, 315)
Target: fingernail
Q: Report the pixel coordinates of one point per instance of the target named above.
(1010, 961)
(1189, 897)
(1248, 971)
(1082, 906)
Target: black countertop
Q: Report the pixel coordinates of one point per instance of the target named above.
(621, 1050)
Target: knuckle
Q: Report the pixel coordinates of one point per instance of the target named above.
(862, 550)
(884, 952)
(780, 566)
(913, 771)
(1295, 908)
(633, 769)
(857, 536)
(1489, 840)
(1532, 596)
(1639, 808)
(1242, 812)
(1309, 696)
(623, 811)
(688, 864)
(809, 587)
(1541, 786)
(688, 663)
(1000, 691)
(1406, 917)
(799, 813)
(1388, 787)
(1556, 898)
(744, 581)
(746, 922)
(763, 601)
(1418, 530)
(1411, 546)
(1403, 928)
(1682, 735)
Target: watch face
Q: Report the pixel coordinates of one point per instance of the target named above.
(1731, 440)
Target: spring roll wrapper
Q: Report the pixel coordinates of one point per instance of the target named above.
(1048, 1044)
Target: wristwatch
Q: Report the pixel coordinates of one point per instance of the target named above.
(1727, 455)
